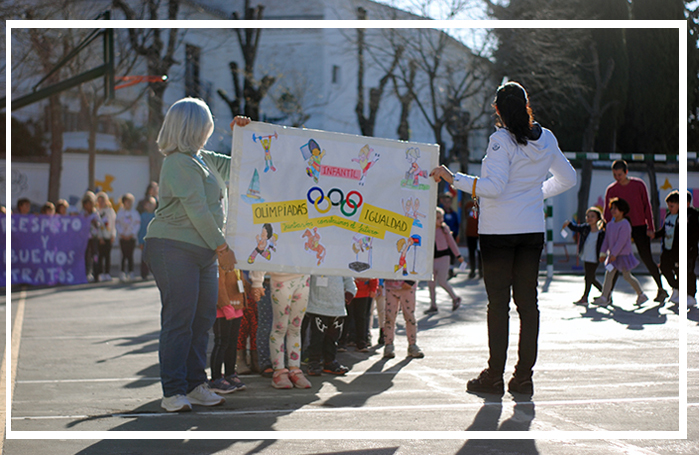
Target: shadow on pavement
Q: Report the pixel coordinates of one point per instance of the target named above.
(634, 319)
(356, 393)
(488, 419)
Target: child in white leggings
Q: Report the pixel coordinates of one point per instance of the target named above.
(289, 300)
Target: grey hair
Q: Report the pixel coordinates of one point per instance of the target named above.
(187, 126)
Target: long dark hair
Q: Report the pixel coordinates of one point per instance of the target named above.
(513, 111)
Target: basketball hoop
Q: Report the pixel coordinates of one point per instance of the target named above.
(133, 80)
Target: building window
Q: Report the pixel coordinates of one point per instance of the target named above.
(336, 74)
(191, 71)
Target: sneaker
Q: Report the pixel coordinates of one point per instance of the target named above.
(89, 277)
(122, 276)
(129, 277)
(176, 403)
(582, 301)
(314, 369)
(280, 379)
(107, 277)
(221, 386)
(675, 298)
(389, 351)
(662, 295)
(472, 274)
(456, 304)
(235, 382)
(521, 385)
(381, 338)
(431, 310)
(415, 352)
(643, 298)
(341, 348)
(486, 382)
(601, 300)
(267, 373)
(335, 368)
(691, 301)
(298, 379)
(363, 349)
(203, 396)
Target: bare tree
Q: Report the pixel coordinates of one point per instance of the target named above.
(158, 48)
(253, 91)
(367, 122)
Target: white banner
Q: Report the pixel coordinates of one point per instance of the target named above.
(314, 202)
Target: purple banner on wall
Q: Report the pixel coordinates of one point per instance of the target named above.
(48, 250)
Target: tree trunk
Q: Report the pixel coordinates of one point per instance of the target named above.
(56, 163)
(155, 121)
(584, 191)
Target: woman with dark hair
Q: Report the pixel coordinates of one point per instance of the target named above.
(511, 192)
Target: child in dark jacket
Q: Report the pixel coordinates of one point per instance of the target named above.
(670, 235)
(692, 249)
(592, 230)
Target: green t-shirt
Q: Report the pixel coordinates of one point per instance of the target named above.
(190, 206)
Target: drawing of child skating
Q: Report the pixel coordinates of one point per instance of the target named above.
(365, 162)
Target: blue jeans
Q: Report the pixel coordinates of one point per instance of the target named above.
(511, 267)
(187, 277)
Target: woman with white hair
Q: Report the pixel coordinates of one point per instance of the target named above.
(182, 246)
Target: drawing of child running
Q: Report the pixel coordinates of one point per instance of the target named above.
(265, 242)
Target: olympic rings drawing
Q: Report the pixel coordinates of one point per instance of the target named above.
(341, 202)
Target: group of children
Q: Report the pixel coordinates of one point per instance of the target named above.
(322, 302)
(128, 224)
(610, 243)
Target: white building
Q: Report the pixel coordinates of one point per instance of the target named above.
(314, 68)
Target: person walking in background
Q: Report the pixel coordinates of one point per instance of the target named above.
(617, 254)
(327, 298)
(451, 217)
(128, 224)
(146, 217)
(511, 227)
(400, 295)
(91, 251)
(474, 253)
(670, 238)
(183, 243)
(692, 249)
(633, 190)
(444, 247)
(590, 238)
(106, 237)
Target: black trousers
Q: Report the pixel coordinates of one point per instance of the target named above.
(360, 309)
(91, 257)
(325, 331)
(642, 241)
(691, 275)
(670, 268)
(511, 267)
(473, 252)
(225, 349)
(590, 278)
(104, 256)
(127, 247)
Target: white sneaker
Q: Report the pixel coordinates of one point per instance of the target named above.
(691, 301)
(122, 276)
(107, 277)
(203, 396)
(601, 300)
(130, 276)
(675, 298)
(176, 403)
(641, 298)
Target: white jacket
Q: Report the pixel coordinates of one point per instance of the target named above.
(513, 183)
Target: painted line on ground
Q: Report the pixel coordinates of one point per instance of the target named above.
(8, 388)
(308, 410)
